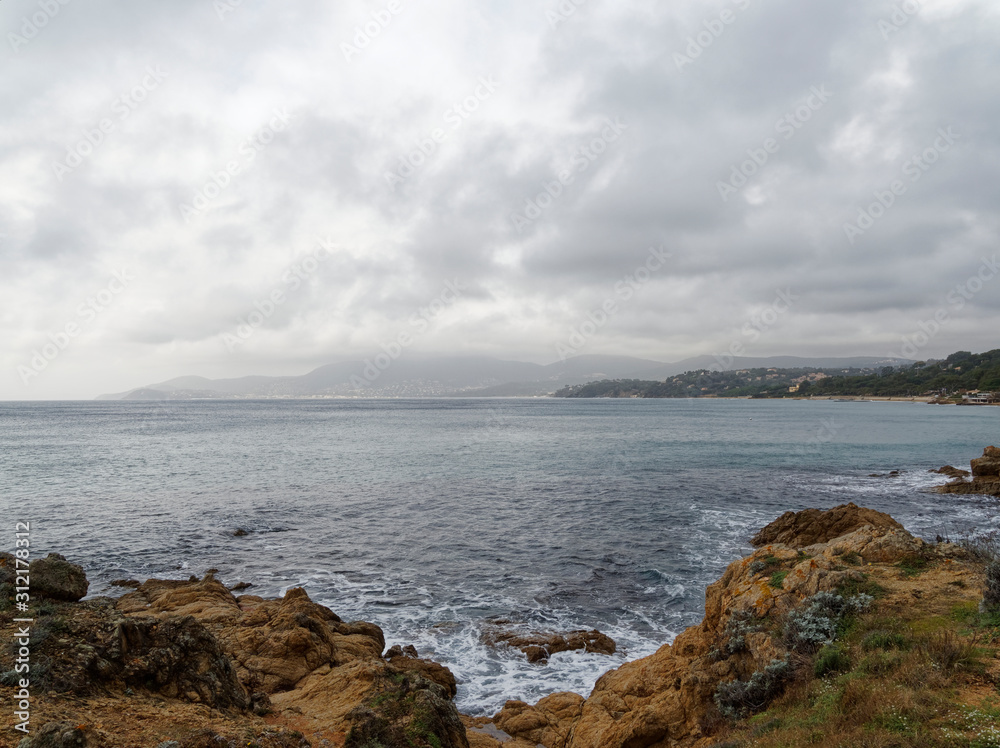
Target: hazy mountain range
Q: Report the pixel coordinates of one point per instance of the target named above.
(468, 376)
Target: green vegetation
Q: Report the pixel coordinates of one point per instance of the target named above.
(960, 372)
(877, 676)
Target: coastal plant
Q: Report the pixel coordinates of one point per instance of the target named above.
(991, 588)
(949, 652)
(740, 623)
(778, 579)
(884, 640)
(818, 621)
(739, 699)
(831, 659)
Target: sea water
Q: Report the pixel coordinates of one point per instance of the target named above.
(436, 519)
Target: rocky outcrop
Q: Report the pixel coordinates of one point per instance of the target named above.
(406, 711)
(309, 663)
(274, 643)
(985, 476)
(951, 472)
(190, 654)
(538, 646)
(90, 649)
(57, 579)
(406, 661)
(666, 699)
(800, 529)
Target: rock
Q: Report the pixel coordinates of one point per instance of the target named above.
(404, 660)
(58, 735)
(240, 586)
(56, 578)
(274, 643)
(547, 723)
(539, 646)
(179, 659)
(407, 711)
(985, 476)
(811, 526)
(951, 472)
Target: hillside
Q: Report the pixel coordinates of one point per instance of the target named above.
(960, 372)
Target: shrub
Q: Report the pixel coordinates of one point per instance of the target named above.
(884, 640)
(831, 659)
(738, 699)
(913, 565)
(991, 588)
(740, 623)
(949, 652)
(852, 558)
(817, 622)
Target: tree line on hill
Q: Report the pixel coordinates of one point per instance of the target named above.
(959, 373)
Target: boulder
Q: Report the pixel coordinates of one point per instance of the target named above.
(951, 472)
(407, 711)
(538, 646)
(985, 476)
(56, 578)
(404, 660)
(812, 526)
(547, 723)
(90, 649)
(987, 466)
(274, 643)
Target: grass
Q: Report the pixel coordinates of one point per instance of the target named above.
(913, 566)
(895, 677)
(863, 586)
(777, 579)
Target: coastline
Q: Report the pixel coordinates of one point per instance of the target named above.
(193, 662)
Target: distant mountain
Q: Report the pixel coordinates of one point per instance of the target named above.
(461, 376)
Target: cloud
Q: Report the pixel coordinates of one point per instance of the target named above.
(412, 95)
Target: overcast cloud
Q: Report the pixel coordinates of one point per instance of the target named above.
(138, 238)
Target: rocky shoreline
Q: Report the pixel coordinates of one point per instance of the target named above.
(190, 664)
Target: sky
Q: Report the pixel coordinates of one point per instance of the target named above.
(224, 188)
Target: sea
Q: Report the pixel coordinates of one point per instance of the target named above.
(441, 520)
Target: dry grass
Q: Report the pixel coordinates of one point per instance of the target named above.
(923, 673)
